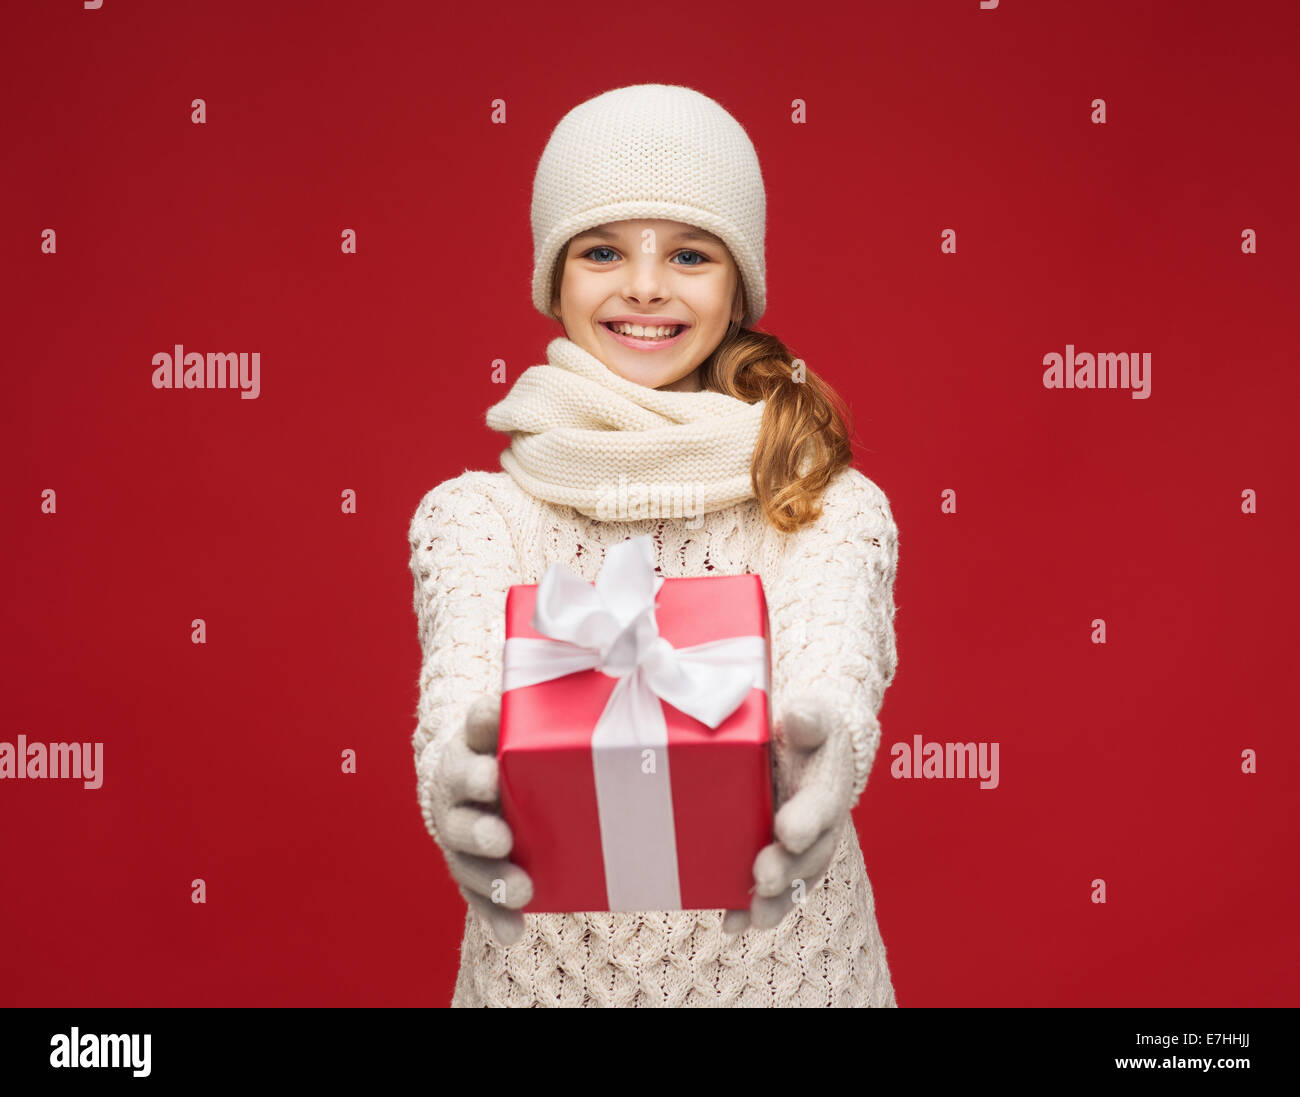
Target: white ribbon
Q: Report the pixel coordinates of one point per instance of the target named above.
(611, 627)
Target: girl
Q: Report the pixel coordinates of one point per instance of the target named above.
(662, 411)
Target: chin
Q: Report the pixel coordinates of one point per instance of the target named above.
(640, 377)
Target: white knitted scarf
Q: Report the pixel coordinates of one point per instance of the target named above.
(584, 437)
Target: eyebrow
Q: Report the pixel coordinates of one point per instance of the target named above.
(684, 234)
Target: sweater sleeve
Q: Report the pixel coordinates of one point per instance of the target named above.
(836, 609)
(462, 562)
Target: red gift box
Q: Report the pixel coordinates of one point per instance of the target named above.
(671, 826)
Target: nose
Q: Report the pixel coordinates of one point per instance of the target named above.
(645, 282)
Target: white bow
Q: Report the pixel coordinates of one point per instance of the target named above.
(611, 627)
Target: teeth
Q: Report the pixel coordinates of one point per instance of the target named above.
(641, 331)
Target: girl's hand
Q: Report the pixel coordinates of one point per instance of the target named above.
(814, 786)
(475, 838)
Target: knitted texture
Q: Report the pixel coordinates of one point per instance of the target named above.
(829, 588)
(582, 436)
(646, 152)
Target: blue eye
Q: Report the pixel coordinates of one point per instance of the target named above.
(590, 253)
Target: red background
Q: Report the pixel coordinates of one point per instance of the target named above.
(1119, 761)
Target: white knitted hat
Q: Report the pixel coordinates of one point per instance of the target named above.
(650, 151)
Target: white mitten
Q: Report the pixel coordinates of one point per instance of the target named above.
(474, 837)
(814, 790)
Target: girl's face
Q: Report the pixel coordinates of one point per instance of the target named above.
(656, 273)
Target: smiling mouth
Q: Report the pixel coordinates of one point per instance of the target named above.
(625, 331)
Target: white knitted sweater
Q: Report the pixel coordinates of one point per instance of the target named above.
(829, 588)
